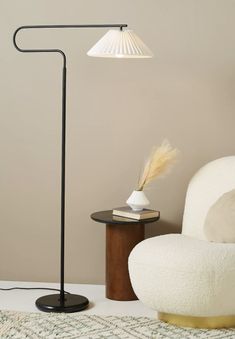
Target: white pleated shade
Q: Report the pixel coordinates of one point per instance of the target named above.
(120, 44)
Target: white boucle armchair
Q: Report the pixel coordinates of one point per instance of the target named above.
(187, 279)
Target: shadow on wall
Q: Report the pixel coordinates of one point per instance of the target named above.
(161, 227)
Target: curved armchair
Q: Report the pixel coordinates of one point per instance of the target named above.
(188, 280)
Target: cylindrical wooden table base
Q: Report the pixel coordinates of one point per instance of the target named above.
(120, 240)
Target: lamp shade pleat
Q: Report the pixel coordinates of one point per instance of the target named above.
(120, 44)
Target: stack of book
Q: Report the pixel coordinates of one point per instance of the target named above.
(127, 212)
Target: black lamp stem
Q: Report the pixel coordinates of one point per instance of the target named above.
(63, 162)
(62, 302)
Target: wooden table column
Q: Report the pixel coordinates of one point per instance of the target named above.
(120, 240)
(122, 235)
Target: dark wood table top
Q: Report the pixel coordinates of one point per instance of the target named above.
(106, 217)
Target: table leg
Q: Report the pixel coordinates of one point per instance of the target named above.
(120, 240)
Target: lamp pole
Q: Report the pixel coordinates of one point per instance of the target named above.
(62, 302)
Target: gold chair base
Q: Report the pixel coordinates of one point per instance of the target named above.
(198, 322)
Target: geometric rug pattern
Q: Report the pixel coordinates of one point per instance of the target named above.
(23, 325)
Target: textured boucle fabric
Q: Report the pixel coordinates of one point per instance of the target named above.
(205, 188)
(183, 275)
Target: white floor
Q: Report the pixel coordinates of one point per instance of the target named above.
(22, 300)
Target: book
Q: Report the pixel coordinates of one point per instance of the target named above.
(124, 219)
(127, 212)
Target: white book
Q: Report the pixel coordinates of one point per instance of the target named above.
(127, 212)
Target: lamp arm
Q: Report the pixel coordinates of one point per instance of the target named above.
(36, 50)
(55, 27)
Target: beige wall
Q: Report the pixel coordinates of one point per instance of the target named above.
(117, 109)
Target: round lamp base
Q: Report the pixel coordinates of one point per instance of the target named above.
(53, 303)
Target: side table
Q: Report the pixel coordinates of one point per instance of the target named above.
(122, 234)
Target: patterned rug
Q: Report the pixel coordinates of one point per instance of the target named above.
(20, 325)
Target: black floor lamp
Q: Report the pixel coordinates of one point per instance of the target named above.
(117, 43)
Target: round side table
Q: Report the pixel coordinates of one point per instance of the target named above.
(122, 234)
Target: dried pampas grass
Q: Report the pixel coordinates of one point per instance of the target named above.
(159, 162)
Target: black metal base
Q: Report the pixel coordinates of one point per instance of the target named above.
(53, 303)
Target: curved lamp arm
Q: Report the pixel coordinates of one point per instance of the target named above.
(55, 27)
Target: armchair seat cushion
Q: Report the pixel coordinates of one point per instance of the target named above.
(182, 275)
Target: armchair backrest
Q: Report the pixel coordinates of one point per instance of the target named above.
(206, 186)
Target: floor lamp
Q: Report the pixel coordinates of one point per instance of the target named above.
(116, 43)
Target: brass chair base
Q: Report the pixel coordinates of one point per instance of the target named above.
(198, 322)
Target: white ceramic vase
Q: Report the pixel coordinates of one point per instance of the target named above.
(137, 201)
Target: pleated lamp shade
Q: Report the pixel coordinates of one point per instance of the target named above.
(120, 44)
